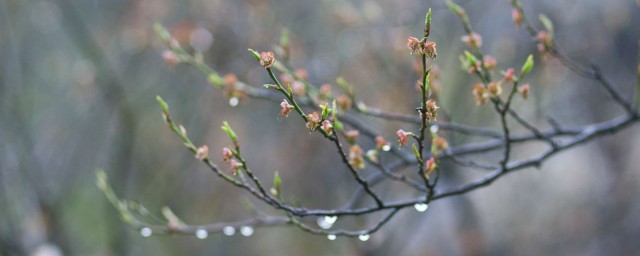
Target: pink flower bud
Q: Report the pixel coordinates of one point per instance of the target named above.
(431, 110)
(402, 137)
(516, 16)
(313, 120)
(227, 154)
(267, 59)
(480, 94)
(327, 127)
(344, 102)
(202, 152)
(352, 135)
(301, 74)
(430, 49)
(414, 45)
(170, 58)
(489, 62)
(286, 108)
(524, 90)
(473, 40)
(430, 166)
(235, 166)
(381, 142)
(355, 157)
(509, 75)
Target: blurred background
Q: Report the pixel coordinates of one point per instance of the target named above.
(78, 81)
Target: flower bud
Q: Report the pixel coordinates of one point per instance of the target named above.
(473, 40)
(509, 75)
(313, 120)
(381, 143)
(494, 89)
(372, 155)
(351, 136)
(430, 49)
(235, 166)
(524, 90)
(480, 94)
(430, 167)
(298, 88)
(202, 152)
(431, 110)
(414, 45)
(439, 144)
(344, 102)
(286, 108)
(170, 58)
(267, 59)
(489, 62)
(327, 127)
(402, 137)
(516, 16)
(325, 90)
(227, 154)
(355, 157)
(301, 74)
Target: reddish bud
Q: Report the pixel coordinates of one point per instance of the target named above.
(430, 166)
(381, 142)
(286, 108)
(509, 75)
(402, 137)
(267, 59)
(516, 16)
(227, 154)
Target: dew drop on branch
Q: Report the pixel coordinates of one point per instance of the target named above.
(331, 237)
(326, 222)
(246, 230)
(420, 207)
(363, 237)
(229, 230)
(386, 148)
(202, 234)
(434, 128)
(233, 101)
(146, 232)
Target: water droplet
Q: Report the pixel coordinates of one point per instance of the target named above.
(246, 230)
(434, 128)
(386, 148)
(146, 232)
(229, 230)
(331, 219)
(202, 234)
(233, 101)
(326, 222)
(421, 207)
(331, 237)
(363, 237)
